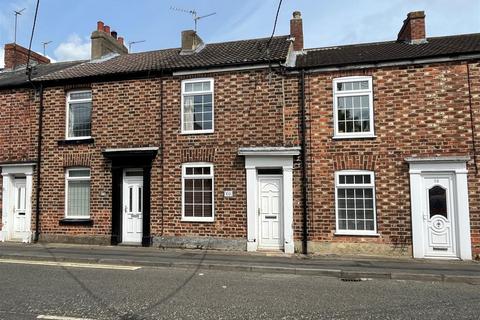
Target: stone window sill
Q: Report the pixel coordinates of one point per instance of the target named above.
(75, 141)
(77, 222)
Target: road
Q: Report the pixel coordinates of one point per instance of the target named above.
(57, 292)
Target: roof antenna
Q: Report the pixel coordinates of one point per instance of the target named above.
(45, 44)
(194, 15)
(133, 42)
(17, 13)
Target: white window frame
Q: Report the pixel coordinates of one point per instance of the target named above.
(67, 113)
(210, 176)
(212, 91)
(67, 179)
(353, 186)
(337, 94)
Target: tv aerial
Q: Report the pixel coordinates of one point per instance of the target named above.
(194, 14)
(17, 13)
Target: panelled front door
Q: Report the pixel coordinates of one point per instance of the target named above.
(439, 215)
(132, 206)
(270, 212)
(20, 223)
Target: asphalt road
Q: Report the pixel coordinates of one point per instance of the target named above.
(30, 291)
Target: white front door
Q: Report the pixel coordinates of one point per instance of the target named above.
(132, 206)
(20, 223)
(439, 216)
(270, 212)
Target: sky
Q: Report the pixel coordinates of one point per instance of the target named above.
(69, 23)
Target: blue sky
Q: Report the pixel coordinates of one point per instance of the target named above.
(69, 23)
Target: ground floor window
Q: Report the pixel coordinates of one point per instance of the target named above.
(355, 202)
(197, 192)
(77, 193)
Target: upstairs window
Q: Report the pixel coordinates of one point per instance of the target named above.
(355, 202)
(197, 195)
(79, 114)
(77, 195)
(353, 107)
(197, 106)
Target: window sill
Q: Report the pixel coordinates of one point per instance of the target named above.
(77, 222)
(197, 220)
(193, 133)
(67, 142)
(369, 136)
(352, 234)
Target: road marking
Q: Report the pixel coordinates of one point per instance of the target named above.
(60, 318)
(70, 265)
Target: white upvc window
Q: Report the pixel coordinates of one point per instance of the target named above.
(77, 193)
(197, 106)
(355, 203)
(353, 107)
(79, 114)
(197, 192)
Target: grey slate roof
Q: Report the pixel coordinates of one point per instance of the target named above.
(18, 76)
(212, 55)
(389, 51)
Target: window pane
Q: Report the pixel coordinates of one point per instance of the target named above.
(198, 194)
(79, 173)
(355, 212)
(78, 204)
(437, 197)
(80, 95)
(79, 120)
(198, 112)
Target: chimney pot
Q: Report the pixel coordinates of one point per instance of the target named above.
(100, 25)
(114, 34)
(120, 40)
(413, 28)
(296, 30)
(106, 29)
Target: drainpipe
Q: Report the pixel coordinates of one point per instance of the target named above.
(39, 160)
(472, 124)
(303, 138)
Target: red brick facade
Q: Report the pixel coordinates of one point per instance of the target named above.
(420, 110)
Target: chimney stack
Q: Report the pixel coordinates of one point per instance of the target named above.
(105, 42)
(413, 29)
(191, 42)
(16, 56)
(296, 31)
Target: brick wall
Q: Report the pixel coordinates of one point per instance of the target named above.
(251, 109)
(18, 123)
(125, 114)
(418, 111)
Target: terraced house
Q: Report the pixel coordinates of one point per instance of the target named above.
(249, 145)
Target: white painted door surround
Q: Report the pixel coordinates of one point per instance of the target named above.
(17, 187)
(132, 225)
(264, 158)
(440, 210)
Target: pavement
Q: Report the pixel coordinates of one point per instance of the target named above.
(346, 268)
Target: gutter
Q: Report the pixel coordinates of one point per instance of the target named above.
(39, 161)
(394, 63)
(303, 153)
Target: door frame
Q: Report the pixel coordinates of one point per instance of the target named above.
(457, 167)
(281, 218)
(121, 159)
(124, 185)
(269, 157)
(9, 172)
